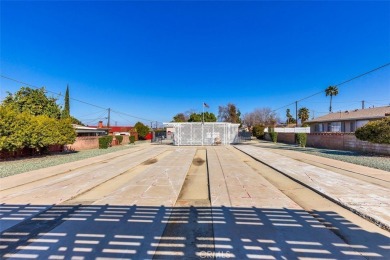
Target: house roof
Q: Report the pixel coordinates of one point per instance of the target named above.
(115, 129)
(357, 114)
(86, 129)
(121, 129)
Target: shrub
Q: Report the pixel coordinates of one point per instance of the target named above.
(377, 131)
(301, 139)
(132, 139)
(105, 142)
(274, 136)
(258, 131)
(119, 138)
(142, 130)
(19, 130)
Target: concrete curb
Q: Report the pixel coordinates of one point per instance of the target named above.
(357, 212)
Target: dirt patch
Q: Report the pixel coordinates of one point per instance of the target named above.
(150, 161)
(198, 161)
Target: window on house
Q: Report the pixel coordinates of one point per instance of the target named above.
(361, 123)
(319, 128)
(334, 127)
(353, 126)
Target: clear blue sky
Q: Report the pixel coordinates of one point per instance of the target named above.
(155, 59)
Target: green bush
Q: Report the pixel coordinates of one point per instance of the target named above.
(20, 130)
(119, 138)
(132, 139)
(105, 141)
(258, 131)
(377, 131)
(142, 130)
(301, 139)
(274, 136)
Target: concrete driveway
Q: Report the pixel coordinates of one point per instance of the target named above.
(167, 202)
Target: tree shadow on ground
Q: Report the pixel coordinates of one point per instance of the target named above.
(146, 232)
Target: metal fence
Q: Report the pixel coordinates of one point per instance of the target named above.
(290, 130)
(204, 133)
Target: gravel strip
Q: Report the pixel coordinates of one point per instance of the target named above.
(8, 168)
(381, 162)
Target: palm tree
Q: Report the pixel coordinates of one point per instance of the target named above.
(303, 114)
(331, 91)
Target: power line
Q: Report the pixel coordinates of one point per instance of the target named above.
(122, 117)
(140, 118)
(87, 103)
(337, 85)
(100, 111)
(30, 85)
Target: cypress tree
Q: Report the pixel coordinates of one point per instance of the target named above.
(66, 111)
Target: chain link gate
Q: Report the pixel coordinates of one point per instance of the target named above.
(204, 133)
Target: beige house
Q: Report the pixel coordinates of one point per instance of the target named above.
(347, 121)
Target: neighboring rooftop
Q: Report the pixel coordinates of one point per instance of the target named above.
(357, 114)
(86, 129)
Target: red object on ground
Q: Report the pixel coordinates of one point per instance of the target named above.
(149, 136)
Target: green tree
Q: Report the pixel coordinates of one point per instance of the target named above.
(258, 131)
(331, 91)
(180, 117)
(377, 131)
(33, 101)
(45, 131)
(66, 131)
(14, 126)
(26, 124)
(75, 121)
(290, 118)
(207, 116)
(142, 130)
(194, 117)
(66, 111)
(303, 114)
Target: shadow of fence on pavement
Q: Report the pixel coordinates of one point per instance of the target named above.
(137, 232)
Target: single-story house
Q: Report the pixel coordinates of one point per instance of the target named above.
(347, 121)
(118, 130)
(88, 131)
(122, 130)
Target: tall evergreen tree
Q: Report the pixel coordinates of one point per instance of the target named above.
(66, 111)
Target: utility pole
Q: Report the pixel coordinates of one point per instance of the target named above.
(296, 113)
(108, 118)
(362, 104)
